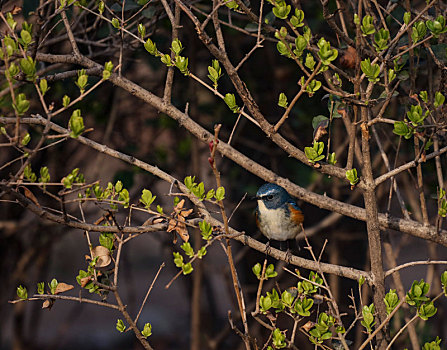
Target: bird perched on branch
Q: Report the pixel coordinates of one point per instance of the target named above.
(278, 216)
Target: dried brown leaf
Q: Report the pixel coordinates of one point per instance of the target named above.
(84, 281)
(179, 206)
(28, 194)
(48, 304)
(186, 213)
(16, 10)
(103, 255)
(308, 326)
(350, 58)
(63, 287)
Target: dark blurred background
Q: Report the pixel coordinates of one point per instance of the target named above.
(34, 250)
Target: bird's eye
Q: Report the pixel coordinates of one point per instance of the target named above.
(270, 197)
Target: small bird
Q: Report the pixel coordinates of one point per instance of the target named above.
(278, 216)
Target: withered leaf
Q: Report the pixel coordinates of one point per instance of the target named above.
(85, 280)
(63, 287)
(48, 304)
(28, 194)
(308, 326)
(179, 206)
(103, 255)
(177, 221)
(16, 10)
(350, 58)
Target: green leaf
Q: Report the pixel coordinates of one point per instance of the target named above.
(26, 37)
(282, 101)
(371, 71)
(444, 282)
(215, 72)
(265, 303)
(231, 5)
(351, 175)
(220, 194)
(178, 259)
(124, 197)
(314, 153)
(116, 23)
(367, 26)
(141, 30)
(437, 26)
(287, 298)
(297, 19)
(283, 49)
(426, 311)
(325, 53)
(53, 285)
(176, 46)
(439, 99)
(381, 39)
(26, 139)
(40, 288)
(22, 293)
(419, 31)
(278, 339)
(187, 268)
(29, 174)
(150, 47)
(391, 301)
(202, 252)
(76, 124)
(106, 239)
(434, 345)
(65, 101)
(182, 64)
(205, 229)
(120, 327)
(186, 246)
(22, 104)
(257, 270)
(270, 271)
(82, 81)
(361, 281)
(230, 100)
(331, 159)
(310, 61)
(118, 186)
(407, 17)
(147, 198)
(147, 330)
(44, 175)
(281, 9)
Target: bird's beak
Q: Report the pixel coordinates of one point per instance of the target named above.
(254, 198)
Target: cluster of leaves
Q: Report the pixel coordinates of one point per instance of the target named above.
(198, 190)
(75, 177)
(178, 61)
(352, 176)
(54, 288)
(417, 297)
(206, 231)
(298, 301)
(116, 194)
(146, 332)
(31, 176)
(416, 115)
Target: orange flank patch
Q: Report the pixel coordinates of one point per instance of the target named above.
(296, 215)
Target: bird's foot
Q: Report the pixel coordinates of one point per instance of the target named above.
(268, 248)
(288, 256)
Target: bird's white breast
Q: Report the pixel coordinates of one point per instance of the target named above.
(275, 223)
